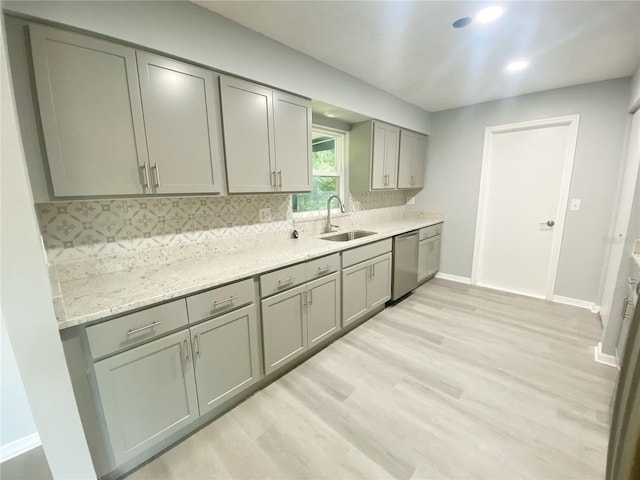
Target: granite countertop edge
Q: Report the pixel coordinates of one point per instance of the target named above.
(95, 299)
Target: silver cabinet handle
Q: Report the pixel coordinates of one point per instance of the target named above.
(310, 297)
(280, 179)
(370, 270)
(273, 179)
(285, 281)
(151, 325)
(324, 269)
(145, 175)
(186, 350)
(304, 299)
(196, 344)
(226, 300)
(156, 174)
(374, 269)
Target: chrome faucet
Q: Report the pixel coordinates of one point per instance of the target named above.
(328, 227)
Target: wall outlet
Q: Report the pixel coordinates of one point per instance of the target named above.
(265, 214)
(575, 205)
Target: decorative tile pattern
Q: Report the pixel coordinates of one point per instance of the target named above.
(126, 228)
(82, 229)
(373, 200)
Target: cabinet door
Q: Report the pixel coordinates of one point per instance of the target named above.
(247, 119)
(433, 255)
(379, 286)
(419, 160)
(323, 311)
(147, 393)
(225, 352)
(378, 152)
(91, 114)
(179, 117)
(354, 292)
(392, 145)
(423, 248)
(406, 158)
(284, 328)
(292, 139)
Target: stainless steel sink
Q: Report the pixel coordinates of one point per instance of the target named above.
(346, 236)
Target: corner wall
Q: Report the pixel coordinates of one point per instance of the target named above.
(453, 175)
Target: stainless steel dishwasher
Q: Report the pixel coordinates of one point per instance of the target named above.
(405, 264)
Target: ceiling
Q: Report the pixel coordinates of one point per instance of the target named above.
(410, 49)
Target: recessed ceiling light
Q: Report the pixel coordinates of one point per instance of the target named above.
(489, 14)
(333, 113)
(462, 22)
(517, 65)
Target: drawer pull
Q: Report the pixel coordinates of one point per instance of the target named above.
(324, 269)
(285, 281)
(151, 325)
(226, 300)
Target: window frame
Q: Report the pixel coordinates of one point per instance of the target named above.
(340, 138)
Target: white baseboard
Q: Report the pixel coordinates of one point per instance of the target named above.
(18, 447)
(575, 302)
(453, 278)
(604, 358)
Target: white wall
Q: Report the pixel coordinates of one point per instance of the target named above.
(635, 91)
(192, 32)
(26, 308)
(16, 421)
(453, 175)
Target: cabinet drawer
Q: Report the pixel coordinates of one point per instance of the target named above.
(220, 300)
(360, 254)
(323, 266)
(139, 327)
(432, 231)
(282, 279)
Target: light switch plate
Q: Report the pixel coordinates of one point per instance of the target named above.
(575, 205)
(265, 214)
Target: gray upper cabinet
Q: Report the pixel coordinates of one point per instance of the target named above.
(147, 393)
(292, 138)
(179, 107)
(373, 160)
(247, 118)
(267, 138)
(91, 113)
(225, 352)
(411, 163)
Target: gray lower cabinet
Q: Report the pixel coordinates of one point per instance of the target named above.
(225, 352)
(428, 257)
(89, 102)
(297, 319)
(365, 287)
(147, 393)
(284, 328)
(323, 308)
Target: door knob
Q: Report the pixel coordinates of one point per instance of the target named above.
(548, 223)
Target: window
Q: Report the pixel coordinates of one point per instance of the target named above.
(327, 158)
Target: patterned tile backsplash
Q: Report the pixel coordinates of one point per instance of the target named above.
(76, 230)
(81, 229)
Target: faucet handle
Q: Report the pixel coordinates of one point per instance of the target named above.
(334, 226)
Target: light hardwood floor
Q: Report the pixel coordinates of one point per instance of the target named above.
(453, 382)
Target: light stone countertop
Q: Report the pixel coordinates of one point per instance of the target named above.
(108, 295)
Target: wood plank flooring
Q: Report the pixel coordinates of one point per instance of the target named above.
(454, 382)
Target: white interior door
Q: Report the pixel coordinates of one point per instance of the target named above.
(526, 174)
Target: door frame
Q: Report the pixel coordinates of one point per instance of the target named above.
(573, 122)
